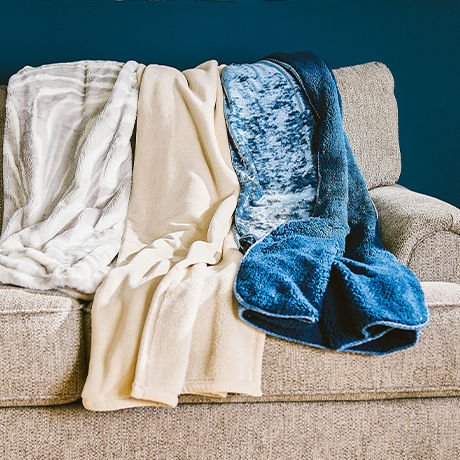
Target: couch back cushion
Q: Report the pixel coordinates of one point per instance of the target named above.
(370, 118)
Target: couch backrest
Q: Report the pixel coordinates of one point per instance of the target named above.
(370, 118)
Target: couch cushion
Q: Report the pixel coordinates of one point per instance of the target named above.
(370, 119)
(43, 362)
(42, 357)
(295, 372)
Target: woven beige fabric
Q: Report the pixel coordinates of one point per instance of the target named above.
(421, 231)
(41, 354)
(370, 119)
(437, 257)
(42, 359)
(415, 429)
(293, 371)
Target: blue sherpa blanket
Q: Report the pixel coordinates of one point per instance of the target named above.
(314, 270)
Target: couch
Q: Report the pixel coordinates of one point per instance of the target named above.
(316, 404)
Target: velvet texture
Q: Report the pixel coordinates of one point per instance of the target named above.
(321, 277)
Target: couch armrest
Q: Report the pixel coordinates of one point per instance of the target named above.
(421, 231)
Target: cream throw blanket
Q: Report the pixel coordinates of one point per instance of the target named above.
(164, 321)
(67, 164)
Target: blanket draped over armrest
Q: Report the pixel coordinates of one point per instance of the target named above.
(67, 165)
(165, 321)
(315, 270)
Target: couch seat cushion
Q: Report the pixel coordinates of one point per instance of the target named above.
(295, 372)
(42, 358)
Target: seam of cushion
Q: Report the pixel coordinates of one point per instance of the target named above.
(326, 392)
(51, 396)
(367, 390)
(424, 238)
(42, 311)
(383, 184)
(443, 305)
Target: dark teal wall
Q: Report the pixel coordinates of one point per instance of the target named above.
(419, 40)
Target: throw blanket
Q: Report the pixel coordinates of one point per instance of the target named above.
(67, 165)
(165, 319)
(315, 270)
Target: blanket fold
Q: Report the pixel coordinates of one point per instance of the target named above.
(314, 270)
(67, 165)
(164, 321)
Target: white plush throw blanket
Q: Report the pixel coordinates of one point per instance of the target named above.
(67, 164)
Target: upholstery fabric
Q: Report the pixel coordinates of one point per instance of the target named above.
(421, 231)
(43, 362)
(439, 371)
(416, 429)
(295, 372)
(42, 355)
(370, 119)
(437, 257)
(292, 371)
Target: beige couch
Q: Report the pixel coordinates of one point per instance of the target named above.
(316, 404)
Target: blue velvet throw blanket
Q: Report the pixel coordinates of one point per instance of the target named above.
(314, 268)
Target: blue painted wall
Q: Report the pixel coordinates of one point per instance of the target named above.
(418, 40)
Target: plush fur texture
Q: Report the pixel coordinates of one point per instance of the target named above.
(321, 277)
(67, 163)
